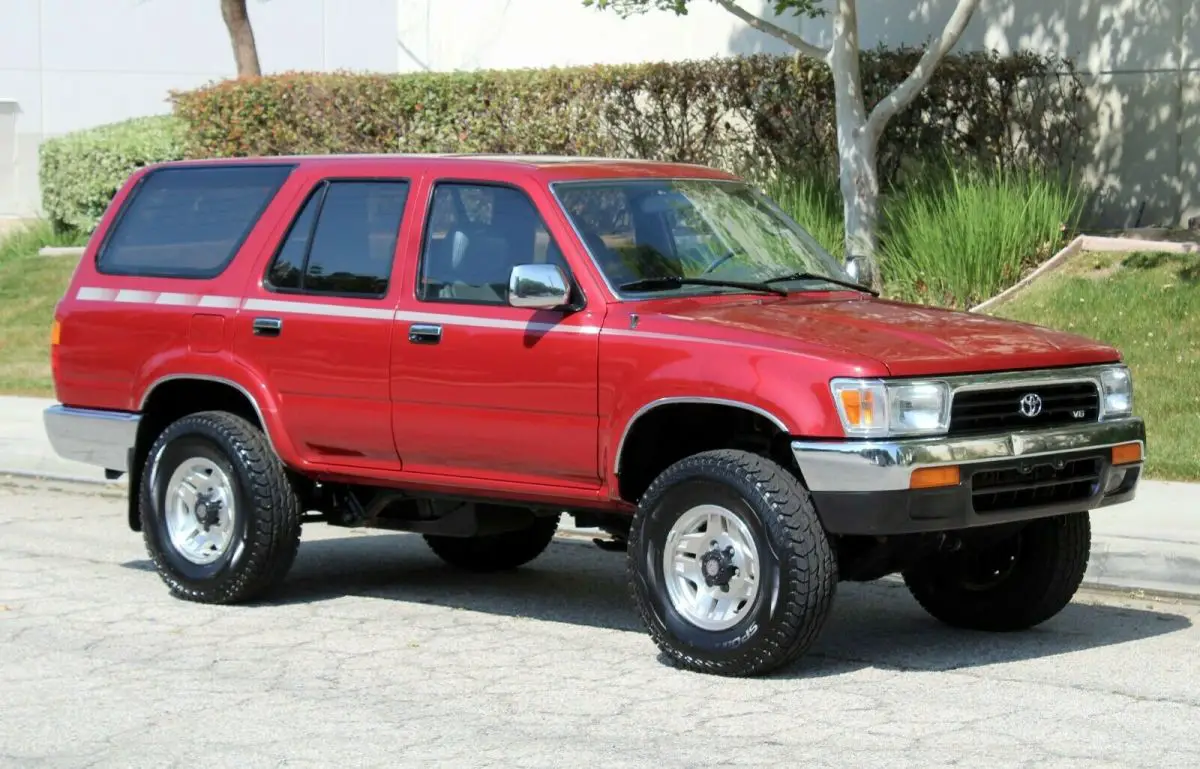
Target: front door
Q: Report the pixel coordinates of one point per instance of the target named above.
(480, 388)
(318, 319)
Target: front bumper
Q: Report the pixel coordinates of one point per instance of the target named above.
(863, 487)
(101, 438)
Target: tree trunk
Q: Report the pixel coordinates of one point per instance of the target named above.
(860, 200)
(241, 35)
(857, 144)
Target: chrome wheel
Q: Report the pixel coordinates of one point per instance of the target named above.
(200, 510)
(711, 567)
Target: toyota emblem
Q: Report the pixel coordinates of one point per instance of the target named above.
(1031, 405)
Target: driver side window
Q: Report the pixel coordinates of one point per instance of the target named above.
(476, 233)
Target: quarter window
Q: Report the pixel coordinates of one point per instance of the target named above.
(343, 241)
(476, 234)
(189, 222)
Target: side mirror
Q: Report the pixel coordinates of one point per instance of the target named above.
(538, 286)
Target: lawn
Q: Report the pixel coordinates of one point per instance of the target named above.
(30, 285)
(1148, 306)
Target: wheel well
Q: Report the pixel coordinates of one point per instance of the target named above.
(689, 428)
(174, 400)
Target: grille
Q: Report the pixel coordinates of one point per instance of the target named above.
(975, 411)
(1035, 484)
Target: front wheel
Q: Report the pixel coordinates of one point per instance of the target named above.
(1011, 585)
(729, 567)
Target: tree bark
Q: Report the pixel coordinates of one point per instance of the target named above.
(241, 35)
(857, 142)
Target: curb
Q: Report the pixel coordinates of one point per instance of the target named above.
(52, 251)
(1089, 243)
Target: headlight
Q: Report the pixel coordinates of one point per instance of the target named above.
(1116, 392)
(875, 409)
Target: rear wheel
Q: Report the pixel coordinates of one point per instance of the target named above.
(1014, 584)
(730, 569)
(219, 516)
(496, 552)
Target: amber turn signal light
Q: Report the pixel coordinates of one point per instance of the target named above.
(55, 332)
(1127, 453)
(934, 477)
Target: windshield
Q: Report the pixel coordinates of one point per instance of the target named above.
(645, 229)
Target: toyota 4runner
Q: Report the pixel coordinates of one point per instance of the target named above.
(470, 347)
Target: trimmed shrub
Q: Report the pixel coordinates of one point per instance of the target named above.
(80, 172)
(753, 115)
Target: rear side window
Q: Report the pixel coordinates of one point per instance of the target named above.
(343, 241)
(188, 222)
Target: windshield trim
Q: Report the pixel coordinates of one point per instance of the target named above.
(642, 296)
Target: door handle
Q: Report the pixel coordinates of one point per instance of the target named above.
(268, 326)
(425, 333)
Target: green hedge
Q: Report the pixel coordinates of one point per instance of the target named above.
(746, 114)
(80, 172)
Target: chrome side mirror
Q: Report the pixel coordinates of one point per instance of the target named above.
(538, 286)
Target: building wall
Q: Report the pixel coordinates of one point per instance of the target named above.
(69, 64)
(1140, 60)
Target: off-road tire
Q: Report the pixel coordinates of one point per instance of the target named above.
(1048, 565)
(496, 552)
(798, 572)
(268, 515)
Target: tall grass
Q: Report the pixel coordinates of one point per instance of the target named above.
(815, 202)
(958, 238)
(29, 238)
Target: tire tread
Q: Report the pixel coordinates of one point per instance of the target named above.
(792, 522)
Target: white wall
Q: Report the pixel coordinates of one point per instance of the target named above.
(71, 64)
(1140, 61)
(68, 64)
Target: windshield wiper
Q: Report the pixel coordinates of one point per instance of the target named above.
(665, 284)
(816, 276)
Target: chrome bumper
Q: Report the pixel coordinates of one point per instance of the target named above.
(856, 466)
(101, 438)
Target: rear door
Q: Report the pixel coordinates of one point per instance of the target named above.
(481, 388)
(317, 320)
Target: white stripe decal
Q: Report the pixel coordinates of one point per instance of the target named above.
(228, 302)
(315, 308)
(88, 294)
(165, 298)
(186, 300)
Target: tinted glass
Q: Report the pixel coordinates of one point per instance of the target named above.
(189, 222)
(353, 246)
(288, 266)
(637, 229)
(476, 234)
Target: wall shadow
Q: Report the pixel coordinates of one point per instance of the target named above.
(1138, 63)
(876, 625)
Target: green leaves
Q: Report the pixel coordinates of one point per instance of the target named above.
(80, 172)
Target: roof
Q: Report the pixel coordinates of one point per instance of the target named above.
(549, 167)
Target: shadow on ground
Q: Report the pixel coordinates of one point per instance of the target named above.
(874, 625)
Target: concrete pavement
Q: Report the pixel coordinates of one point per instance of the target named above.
(1150, 544)
(374, 653)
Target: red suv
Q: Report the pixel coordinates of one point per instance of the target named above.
(467, 347)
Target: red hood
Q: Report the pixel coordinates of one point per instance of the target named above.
(910, 340)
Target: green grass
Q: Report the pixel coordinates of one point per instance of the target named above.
(30, 286)
(1148, 306)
